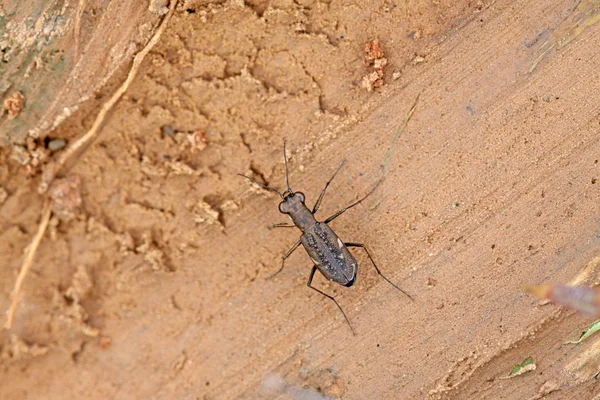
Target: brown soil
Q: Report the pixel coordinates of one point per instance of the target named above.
(157, 287)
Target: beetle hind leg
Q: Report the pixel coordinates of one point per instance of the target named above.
(312, 274)
(376, 268)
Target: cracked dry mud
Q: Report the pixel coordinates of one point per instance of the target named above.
(154, 287)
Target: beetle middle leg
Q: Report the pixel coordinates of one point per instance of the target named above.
(289, 253)
(376, 268)
(282, 225)
(343, 210)
(312, 274)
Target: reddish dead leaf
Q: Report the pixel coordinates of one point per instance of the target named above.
(583, 299)
(14, 104)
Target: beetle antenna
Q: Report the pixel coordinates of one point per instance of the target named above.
(287, 180)
(262, 185)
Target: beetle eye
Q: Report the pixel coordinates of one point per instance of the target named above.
(301, 195)
(283, 207)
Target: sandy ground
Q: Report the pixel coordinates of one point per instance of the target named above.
(157, 288)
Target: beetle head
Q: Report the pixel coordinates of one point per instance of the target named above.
(292, 202)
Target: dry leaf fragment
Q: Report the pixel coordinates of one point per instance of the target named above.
(594, 327)
(584, 299)
(519, 369)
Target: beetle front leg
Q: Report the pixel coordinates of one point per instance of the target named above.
(343, 210)
(312, 274)
(376, 268)
(318, 203)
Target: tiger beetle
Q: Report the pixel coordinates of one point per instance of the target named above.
(329, 254)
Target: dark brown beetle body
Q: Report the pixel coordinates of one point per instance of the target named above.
(324, 247)
(328, 252)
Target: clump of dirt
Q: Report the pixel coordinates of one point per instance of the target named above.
(14, 104)
(65, 194)
(73, 317)
(17, 349)
(153, 255)
(376, 61)
(197, 140)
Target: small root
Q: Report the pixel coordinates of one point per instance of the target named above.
(30, 253)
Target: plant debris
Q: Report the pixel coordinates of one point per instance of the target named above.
(519, 369)
(593, 328)
(583, 299)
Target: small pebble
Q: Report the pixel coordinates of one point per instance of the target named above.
(56, 144)
(168, 130)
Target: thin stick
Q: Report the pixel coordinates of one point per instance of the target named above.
(388, 153)
(27, 261)
(86, 139)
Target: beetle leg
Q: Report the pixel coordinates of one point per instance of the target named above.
(343, 210)
(376, 268)
(312, 274)
(289, 253)
(282, 225)
(318, 203)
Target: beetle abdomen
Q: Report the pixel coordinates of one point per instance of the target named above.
(329, 254)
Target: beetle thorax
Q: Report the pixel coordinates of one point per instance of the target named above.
(303, 218)
(300, 214)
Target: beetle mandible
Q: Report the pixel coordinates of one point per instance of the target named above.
(329, 253)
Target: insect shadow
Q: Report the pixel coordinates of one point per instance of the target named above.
(329, 253)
